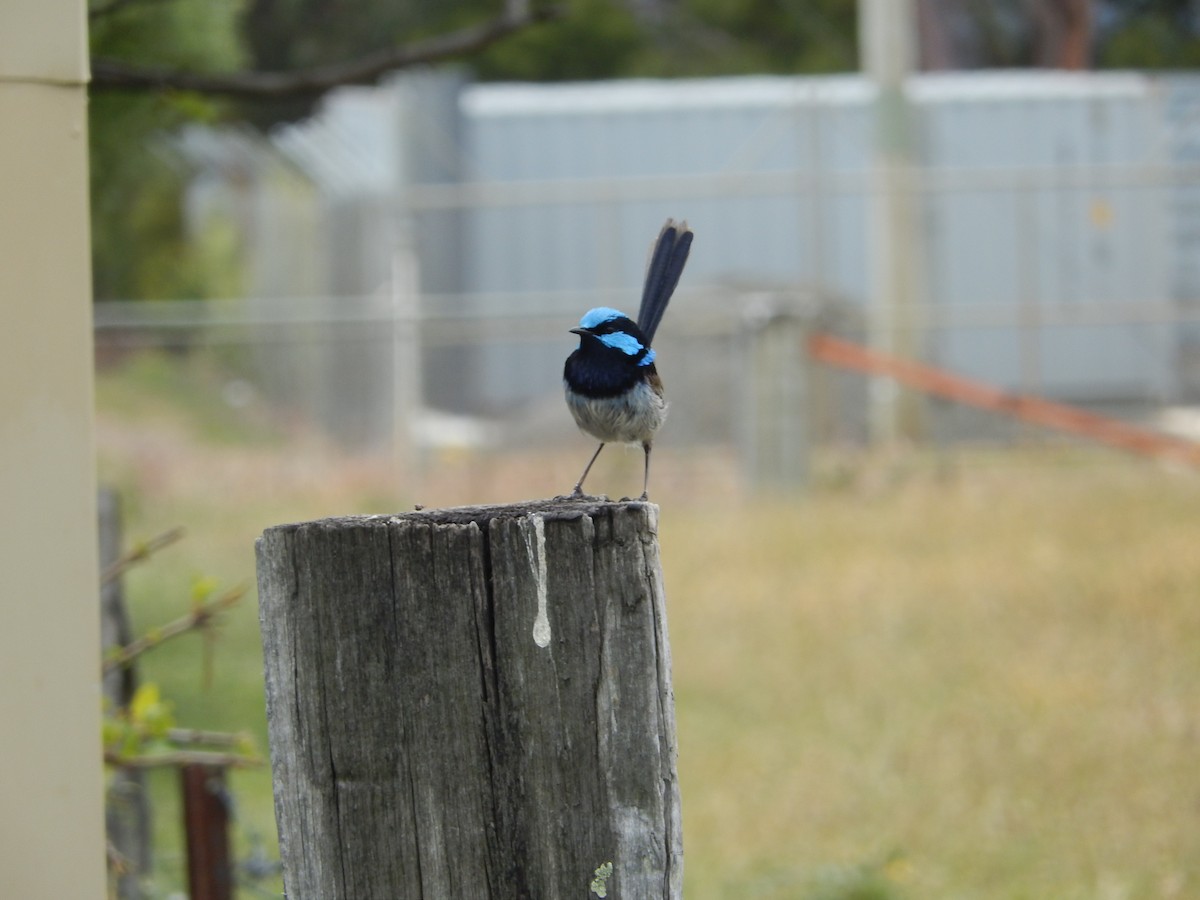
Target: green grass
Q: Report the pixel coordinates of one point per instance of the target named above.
(187, 393)
(971, 676)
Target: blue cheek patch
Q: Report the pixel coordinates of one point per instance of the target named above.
(647, 359)
(619, 340)
(598, 316)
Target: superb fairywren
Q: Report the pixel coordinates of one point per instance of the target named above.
(612, 386)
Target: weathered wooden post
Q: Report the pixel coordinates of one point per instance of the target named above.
(472, 702)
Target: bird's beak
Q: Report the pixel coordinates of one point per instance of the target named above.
(578, 331)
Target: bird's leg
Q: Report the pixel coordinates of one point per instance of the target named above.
(578, 492)
(646, 473)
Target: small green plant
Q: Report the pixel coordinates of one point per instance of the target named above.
(143, 733)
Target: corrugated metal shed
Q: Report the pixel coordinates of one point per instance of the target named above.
(1039, 209)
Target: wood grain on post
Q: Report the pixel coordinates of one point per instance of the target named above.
(472, 702)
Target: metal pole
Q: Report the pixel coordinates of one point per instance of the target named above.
(206, 829)
(887, 47)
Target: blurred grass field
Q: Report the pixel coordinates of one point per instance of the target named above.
(967, 673)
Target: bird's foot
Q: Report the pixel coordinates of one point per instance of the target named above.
(578, 494)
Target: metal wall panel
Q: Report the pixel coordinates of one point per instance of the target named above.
(1038, 207)
(1062, 227)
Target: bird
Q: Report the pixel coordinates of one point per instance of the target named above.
(611, 383)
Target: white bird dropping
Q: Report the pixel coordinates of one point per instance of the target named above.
(535, 545)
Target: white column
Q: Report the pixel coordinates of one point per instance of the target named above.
(51, 785)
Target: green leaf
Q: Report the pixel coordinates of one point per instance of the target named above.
(149, 713)
(203, 588)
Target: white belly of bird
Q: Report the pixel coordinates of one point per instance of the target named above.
(631, 418)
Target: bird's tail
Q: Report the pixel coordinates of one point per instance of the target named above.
(666, 265)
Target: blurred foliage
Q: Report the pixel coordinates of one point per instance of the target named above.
(596, 39)
(604, 39)
(139, 249)
(142, 728)
(285, 35)
(1151, 34)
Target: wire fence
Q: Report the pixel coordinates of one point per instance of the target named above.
(356, 368)
(416, 254)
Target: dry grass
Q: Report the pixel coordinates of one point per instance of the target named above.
(994, 676)
(980, 676)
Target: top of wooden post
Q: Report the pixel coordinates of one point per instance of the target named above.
(552, 509)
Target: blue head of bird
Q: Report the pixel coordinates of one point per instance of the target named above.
(613, 354)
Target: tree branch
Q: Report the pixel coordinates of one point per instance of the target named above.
(199, 617)
(140, 552)
(99, 12)
(181, 758)
(224, 739)
(110, 74)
